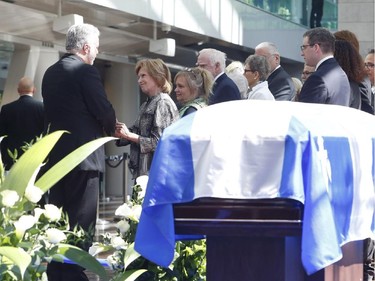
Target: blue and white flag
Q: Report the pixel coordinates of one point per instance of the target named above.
(320, 155)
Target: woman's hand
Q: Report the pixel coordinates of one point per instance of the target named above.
(123, 132)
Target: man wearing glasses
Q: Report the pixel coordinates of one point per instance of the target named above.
(306, 73)
(369, 64)
(329, 83)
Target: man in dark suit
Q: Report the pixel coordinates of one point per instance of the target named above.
(329, 83)
(279, 81)
(224, 88)
(21, 122)
(75, 101)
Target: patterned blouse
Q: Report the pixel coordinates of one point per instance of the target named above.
(156, 113)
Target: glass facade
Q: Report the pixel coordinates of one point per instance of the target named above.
(298, 11)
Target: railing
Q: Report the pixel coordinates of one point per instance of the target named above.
(298, 11)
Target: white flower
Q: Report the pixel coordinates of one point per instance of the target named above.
(123, 211)
(52, 212)
(118, 243)
(9, 197)
(44, 276)
(25, 222)
(38, 212)
(95, 249)
(133, 213)
(136, 212)
(123, 226)
(33, 193)
(113, 262)
(55, 235)
(142, 181)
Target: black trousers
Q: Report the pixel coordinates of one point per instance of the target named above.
(316, 13)
(77, 194)
(368, 259)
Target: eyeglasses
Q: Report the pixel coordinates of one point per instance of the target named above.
(369, 65)
(303, 47)
(248, 70)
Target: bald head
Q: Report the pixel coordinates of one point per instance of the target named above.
(270, 52)
(26, 86)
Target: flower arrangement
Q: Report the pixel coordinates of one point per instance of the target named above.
(30, 235)
(190, 256)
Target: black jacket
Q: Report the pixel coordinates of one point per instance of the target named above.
(22, 121)
(75, 100)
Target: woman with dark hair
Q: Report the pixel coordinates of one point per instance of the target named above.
(351, 62)
(156, 113)
(367, 101)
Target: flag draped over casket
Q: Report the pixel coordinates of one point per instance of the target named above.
(320, 155)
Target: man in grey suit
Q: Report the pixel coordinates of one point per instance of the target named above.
(75, 100)
(279, 81)
(329, 83)
(21, 121)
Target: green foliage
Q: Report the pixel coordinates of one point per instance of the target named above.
(82, 258)
(189, 263)
(31, 236)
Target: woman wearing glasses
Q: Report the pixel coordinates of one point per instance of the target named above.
(193, 87)
(257, 70)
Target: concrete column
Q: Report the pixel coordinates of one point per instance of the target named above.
(122, 90)
(358, 17)
(27, 61)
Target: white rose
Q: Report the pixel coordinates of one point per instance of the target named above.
(123, 226)
(118, 243)
(33, 193)
(25, 222)
(38, 212)
(9, 197)
(142, 181)
(123, 211)
(52, 212)
(55, 235)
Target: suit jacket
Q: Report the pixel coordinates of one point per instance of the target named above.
(328, 85)
(367, 97)
(22, 121)
(281, 85)
(75, 100)
(223, 90)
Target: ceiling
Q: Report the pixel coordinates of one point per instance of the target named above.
(124, 37)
